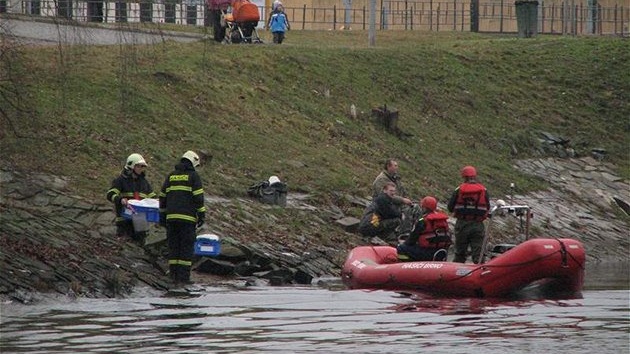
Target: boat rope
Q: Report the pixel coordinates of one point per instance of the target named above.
(392, 278)
(562, 251)
(486, 266)
(565, 254)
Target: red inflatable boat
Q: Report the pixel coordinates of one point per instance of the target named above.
(558, 264)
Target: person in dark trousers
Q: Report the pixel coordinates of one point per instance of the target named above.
(382, 217)
(182, 209)
(130, 184)
(470, 204)
(390, 174)
(278, 24)
(429, 239)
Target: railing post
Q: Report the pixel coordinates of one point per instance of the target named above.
(553, 15)
(382, 17)
(463, 16)
(454, 15)
(364, 17)
(474, 16)
(579, 14)
(501, 18)
(406, 14)
(430, 15)
(437, 25)
(542, 17)
(615, 19)
(622, 22)
(303, 16)
(565, 17)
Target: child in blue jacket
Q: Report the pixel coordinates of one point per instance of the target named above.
(278, 24)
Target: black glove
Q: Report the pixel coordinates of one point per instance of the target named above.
(201, 219)
(163, 219)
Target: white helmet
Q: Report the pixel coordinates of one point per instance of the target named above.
(133, 160)
(192, 157)
(273, 179)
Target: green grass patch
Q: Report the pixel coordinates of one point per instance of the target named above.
(284, 109)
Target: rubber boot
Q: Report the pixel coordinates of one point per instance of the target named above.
(184, 275)
(173, 270)
(139, 238)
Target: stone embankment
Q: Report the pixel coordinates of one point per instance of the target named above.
(52, 240)
(585, 201)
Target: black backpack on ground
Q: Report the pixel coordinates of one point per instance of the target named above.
(275, 194)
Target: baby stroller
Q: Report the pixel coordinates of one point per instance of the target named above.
(240, 24)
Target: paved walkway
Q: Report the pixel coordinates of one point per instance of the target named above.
(53, 33)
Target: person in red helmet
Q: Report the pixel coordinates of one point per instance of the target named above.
(469, 204)
(430, 238)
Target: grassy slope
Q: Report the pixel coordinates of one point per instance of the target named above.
(263, 110)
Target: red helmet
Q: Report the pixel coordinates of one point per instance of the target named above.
(428, 203)
(469, 171)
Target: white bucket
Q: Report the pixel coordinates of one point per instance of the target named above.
(140, 223)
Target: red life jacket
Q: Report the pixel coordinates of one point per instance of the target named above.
(435, 234)
(471, 202)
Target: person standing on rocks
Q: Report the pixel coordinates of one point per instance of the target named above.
(470, 204)
(182, 209)
(130, 184)
(390, 174)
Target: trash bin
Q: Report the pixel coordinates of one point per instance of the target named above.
(526, 18)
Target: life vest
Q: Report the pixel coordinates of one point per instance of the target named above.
(435, 234)
(471, 203)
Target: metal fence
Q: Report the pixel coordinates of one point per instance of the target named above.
(498, 17)
(567, 17)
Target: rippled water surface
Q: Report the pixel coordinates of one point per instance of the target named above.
(313, 319)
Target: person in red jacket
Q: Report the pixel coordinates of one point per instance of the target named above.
(182, 209)
(470, 204)
(429, 239)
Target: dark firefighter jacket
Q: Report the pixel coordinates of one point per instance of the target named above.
(181, 196)
(125, 186)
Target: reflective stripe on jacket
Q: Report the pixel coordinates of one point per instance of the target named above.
(125, 186)
(181, 196)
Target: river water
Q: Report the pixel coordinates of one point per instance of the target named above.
(310, 319)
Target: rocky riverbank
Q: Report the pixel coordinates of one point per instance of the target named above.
(54, 241)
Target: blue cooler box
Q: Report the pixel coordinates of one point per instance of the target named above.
(149, 207)
(208, 245)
